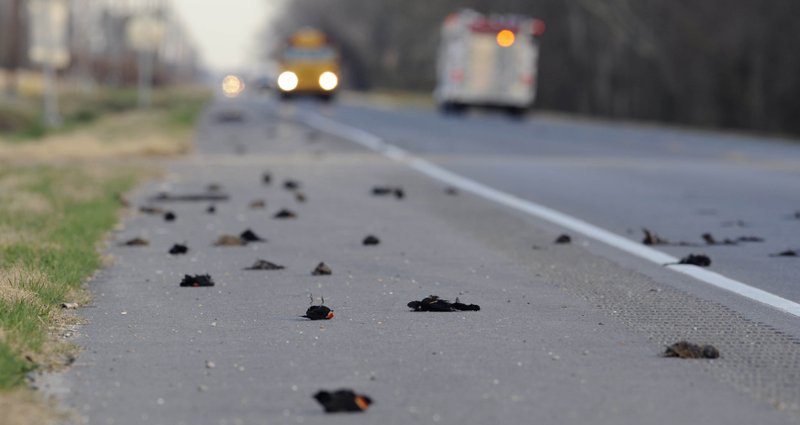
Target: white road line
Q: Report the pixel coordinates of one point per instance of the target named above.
(429, 169)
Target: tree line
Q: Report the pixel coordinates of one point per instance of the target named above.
(717, 63)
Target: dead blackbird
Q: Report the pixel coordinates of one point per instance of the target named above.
(397, 191)
(700, 260)
(266, 178)
(687, 350)
(230, 240)
(284, 213)
(787, 253)
(178, 249)
(299, 197)
(147, 209)
(371, 240)
(318, 312)
(291, 184)
(135, 242)
(750, 239)
(264, 265)
(321, 269)
(251, 236)
(710, 240)
(434, 303)
(170, 216)
(258, 204)
(342, 401)
(563, 239)
(211, 209)
(382, 190)
(197, 280)
(651, 238)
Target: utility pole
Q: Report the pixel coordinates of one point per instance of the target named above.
(52, 118)
(145, 34)
(14, 46)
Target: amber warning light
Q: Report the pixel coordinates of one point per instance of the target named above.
(505, 38)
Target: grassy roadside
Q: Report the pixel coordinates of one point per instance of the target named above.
(59, 196)
(20, 117)
(51, 219)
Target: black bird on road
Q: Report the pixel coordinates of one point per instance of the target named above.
(178, 249)
(170, 216)
(371, 240)
(700, 260)
(284, 213)
(434, 303)
(197, 281)
(687, 350)
(135, 242)
(251, 236)
(318, 312)
(563, 239)
(291, 184)
(343, 400)
(787, 253)
(322, 269)
(265, 265)
(148, 209)
(397, 191)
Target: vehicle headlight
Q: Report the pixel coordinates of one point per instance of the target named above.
(232, 86)
(328, 81)
(287, 81)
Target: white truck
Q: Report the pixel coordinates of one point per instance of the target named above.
(487, 61)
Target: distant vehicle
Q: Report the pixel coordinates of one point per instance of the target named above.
(488, 61)
(308, 65)
(232, 86)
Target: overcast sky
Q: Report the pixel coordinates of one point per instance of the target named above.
(225, 30)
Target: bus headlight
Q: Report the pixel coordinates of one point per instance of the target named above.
(328, 81)
(287, 81)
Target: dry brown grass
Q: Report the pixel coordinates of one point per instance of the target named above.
(13, 182)
(22, 202)
(16, 282)
(132, 134)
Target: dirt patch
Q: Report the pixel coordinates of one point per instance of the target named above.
(24, 407)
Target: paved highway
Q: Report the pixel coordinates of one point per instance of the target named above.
(567, 334)
(678, 183)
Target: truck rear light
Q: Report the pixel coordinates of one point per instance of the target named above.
(527, 79)
(457, 75)
(538, 27)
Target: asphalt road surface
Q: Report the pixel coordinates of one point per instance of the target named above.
(567, 334)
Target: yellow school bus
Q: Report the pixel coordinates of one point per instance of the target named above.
(309, 65)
